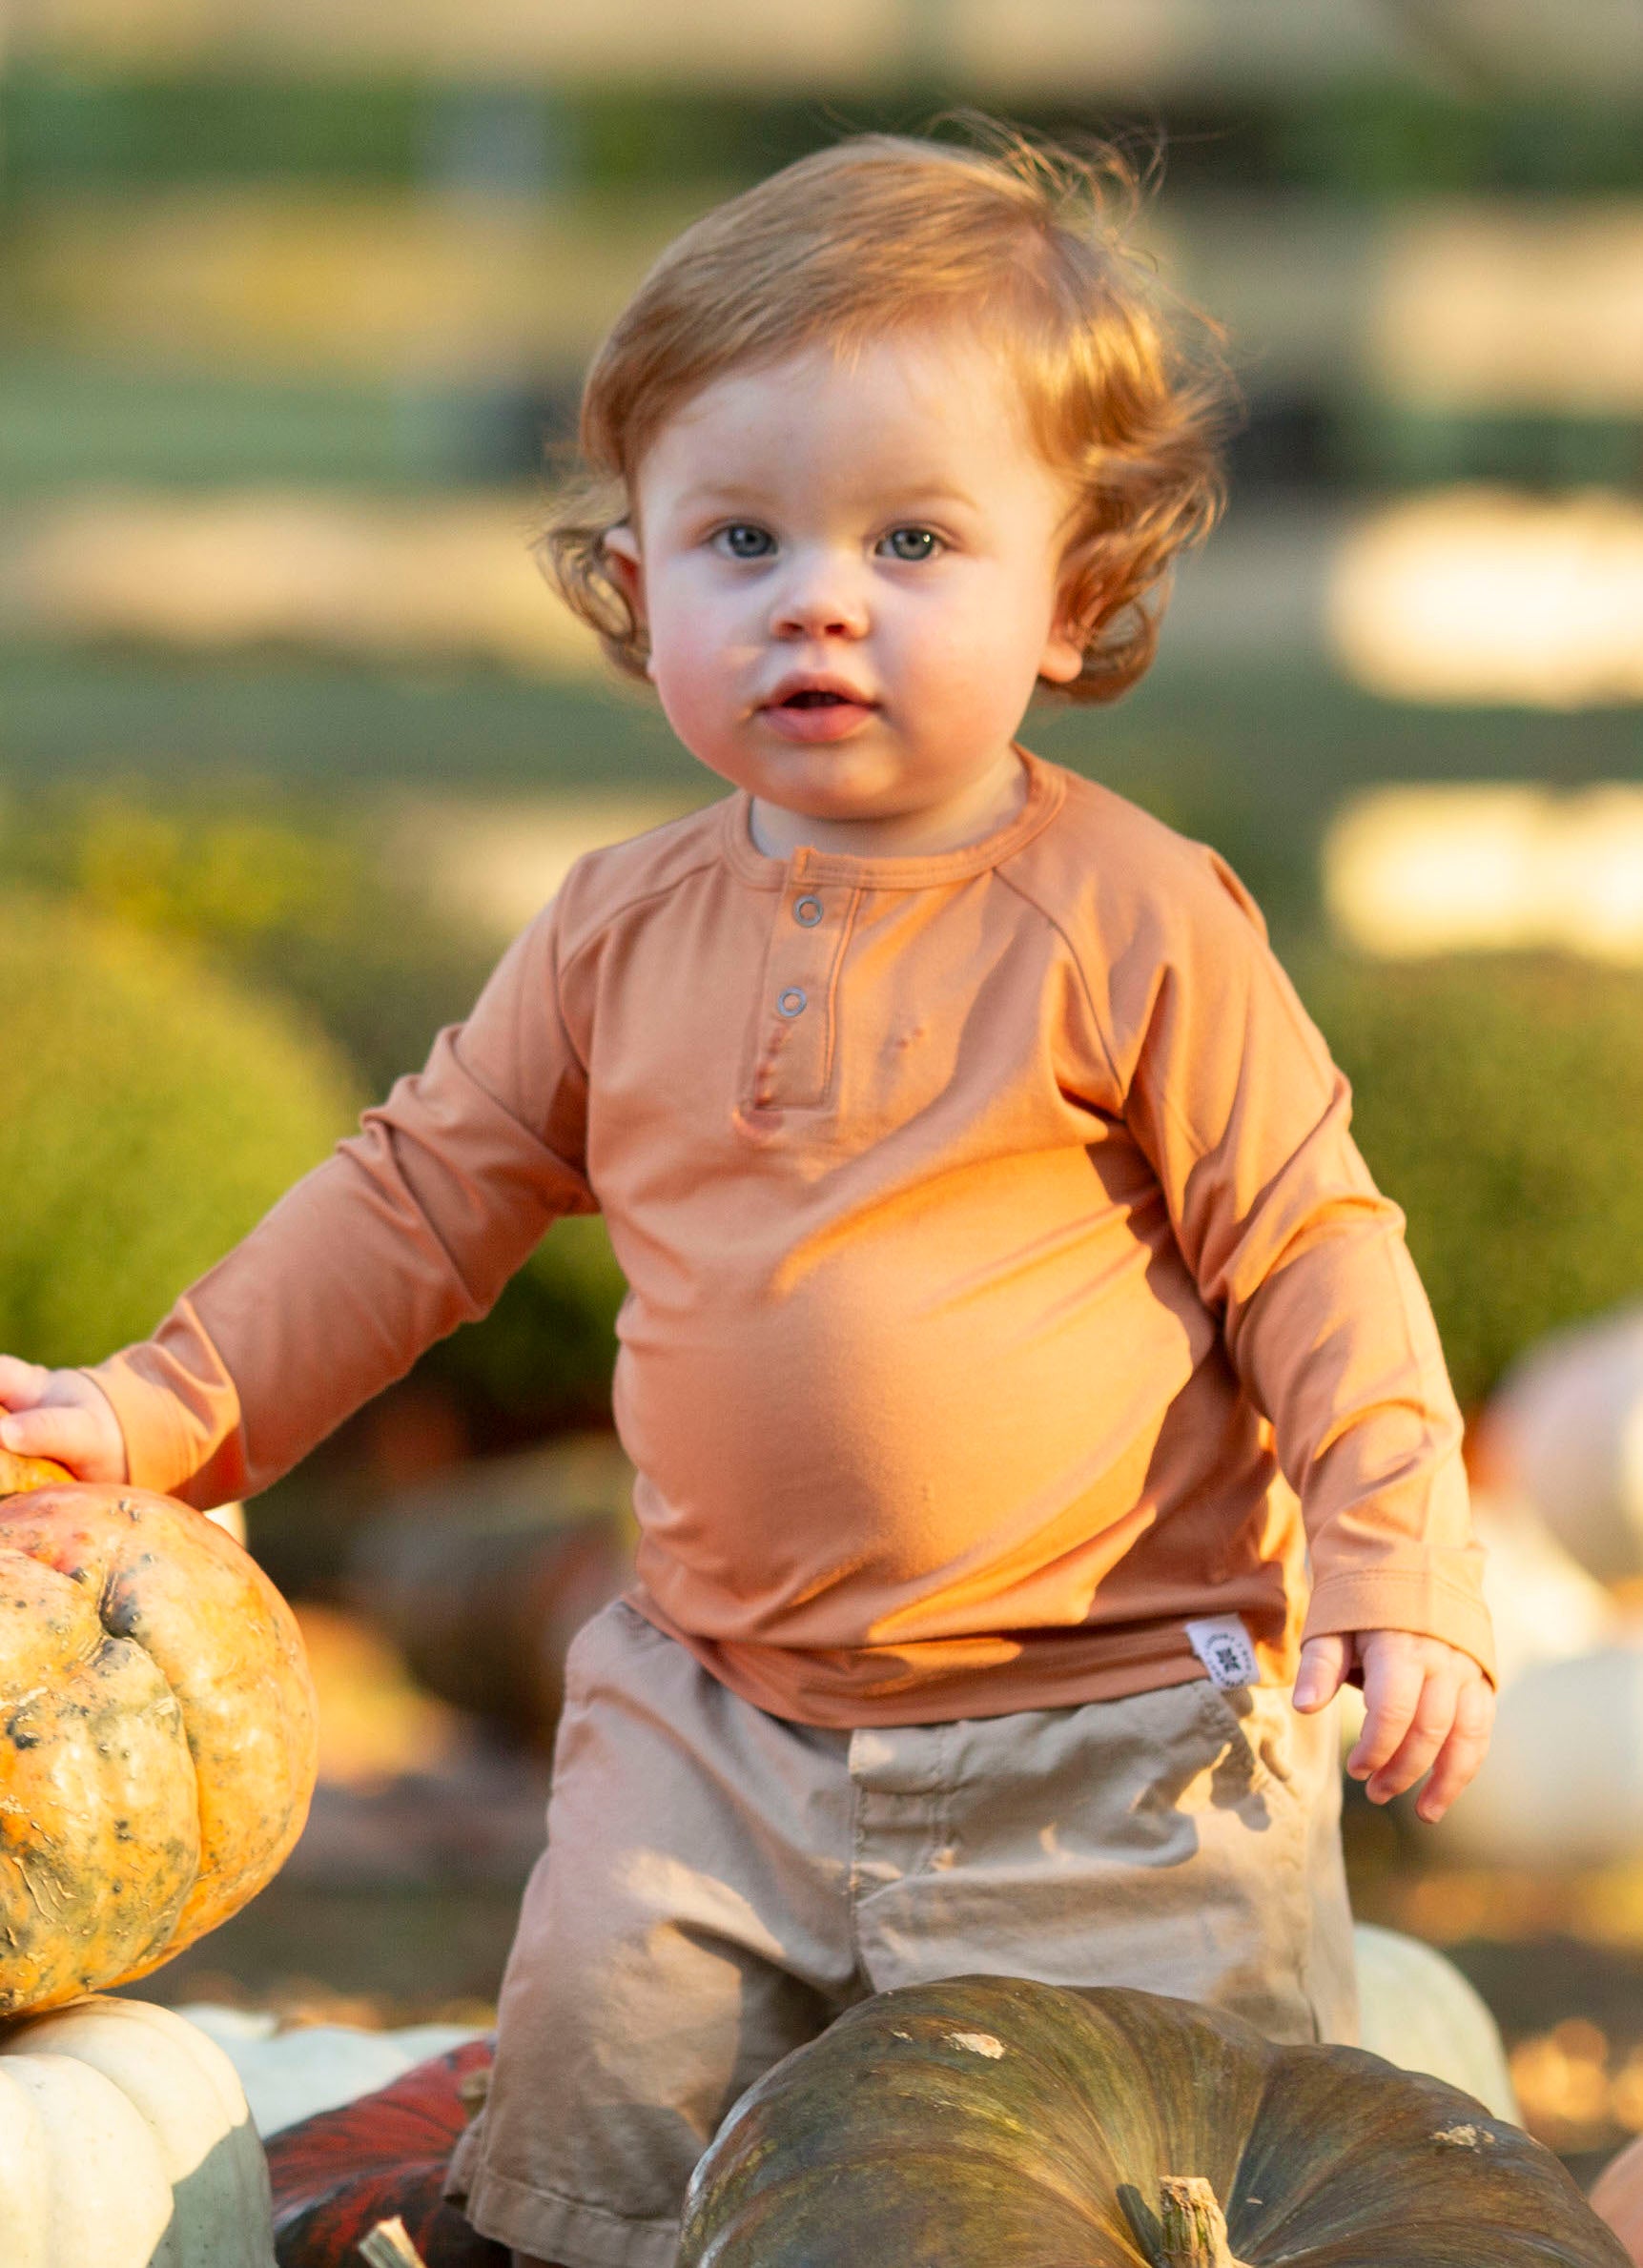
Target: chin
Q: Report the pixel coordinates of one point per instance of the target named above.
(833, 788)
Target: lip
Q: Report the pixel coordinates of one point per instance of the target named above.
(827, 720)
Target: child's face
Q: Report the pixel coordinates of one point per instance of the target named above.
(849, 573)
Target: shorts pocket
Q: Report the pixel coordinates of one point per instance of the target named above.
(1259, 1722)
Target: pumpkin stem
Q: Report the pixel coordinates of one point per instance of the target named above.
(1192, 2227)
(389, 2246)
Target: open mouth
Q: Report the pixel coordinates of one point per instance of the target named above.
(817, 712)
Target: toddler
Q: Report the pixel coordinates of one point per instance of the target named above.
(1010, 1319)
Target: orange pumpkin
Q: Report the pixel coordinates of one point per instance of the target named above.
(158, 1733)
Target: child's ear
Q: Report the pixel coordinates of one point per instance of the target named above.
(626, 564)
(1063, 659)
(626, 561)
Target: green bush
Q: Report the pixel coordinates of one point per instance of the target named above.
(541, 1360)
(1500, 1101)
(293, 900)
(154, 1108)
(288, 897)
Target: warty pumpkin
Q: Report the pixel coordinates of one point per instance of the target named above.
(157, 1734)
(125, 2142)
(985, 2119)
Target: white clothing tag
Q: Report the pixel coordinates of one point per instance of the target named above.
(1221, 1643)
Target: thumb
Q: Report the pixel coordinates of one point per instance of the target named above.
(1322, 1672)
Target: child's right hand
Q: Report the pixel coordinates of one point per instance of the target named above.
(60, 1413)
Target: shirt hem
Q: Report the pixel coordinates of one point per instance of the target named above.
(1088, 1666)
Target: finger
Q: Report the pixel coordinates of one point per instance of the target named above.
(1461, 1753)
(1322, 1672)
(1430, 1728)
(64, 1434)
(21, 1383)
(1392, 1683)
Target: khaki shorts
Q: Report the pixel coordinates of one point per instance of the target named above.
(719, 1884)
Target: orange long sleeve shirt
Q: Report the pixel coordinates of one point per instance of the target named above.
(1005, 1289)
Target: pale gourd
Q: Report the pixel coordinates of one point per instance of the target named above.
(125, 2142)
(1562, 1785)
(291, 2075)
(1565, 1430)
(1418, 2011)
(1543, 1604)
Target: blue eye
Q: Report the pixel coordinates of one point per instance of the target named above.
(911, 544)
(743, 540)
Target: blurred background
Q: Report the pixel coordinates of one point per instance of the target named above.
(291, 739)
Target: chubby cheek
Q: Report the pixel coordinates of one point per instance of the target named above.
(701, 670)
(698, 703)
(976, 666)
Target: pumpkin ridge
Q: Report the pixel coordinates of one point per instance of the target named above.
(102, 1727)
(1185, 2123)
(1417, 2113)
(935, 2205)
(932, 2048)
(1275, 2213)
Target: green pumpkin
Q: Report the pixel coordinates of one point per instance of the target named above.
(985, 2121)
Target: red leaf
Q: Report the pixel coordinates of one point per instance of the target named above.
(336, 2175)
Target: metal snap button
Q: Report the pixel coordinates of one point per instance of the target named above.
(792, 1002)
(807, 910)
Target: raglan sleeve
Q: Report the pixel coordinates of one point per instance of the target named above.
(1231, 1093)
(410, 1227)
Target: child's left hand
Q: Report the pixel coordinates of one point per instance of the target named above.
(1427, 1705)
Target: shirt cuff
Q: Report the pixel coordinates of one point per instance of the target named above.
(179, 1419)
(1402, 1599)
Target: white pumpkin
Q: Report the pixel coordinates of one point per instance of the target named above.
(289, 2076)
(1544, 1606)
(1419, 2011)
(125, 2142)
(1562, 1785)
(1565, 1429)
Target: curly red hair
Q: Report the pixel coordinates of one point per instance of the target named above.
(1024, 242)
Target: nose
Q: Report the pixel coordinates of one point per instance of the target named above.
(821, 597)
